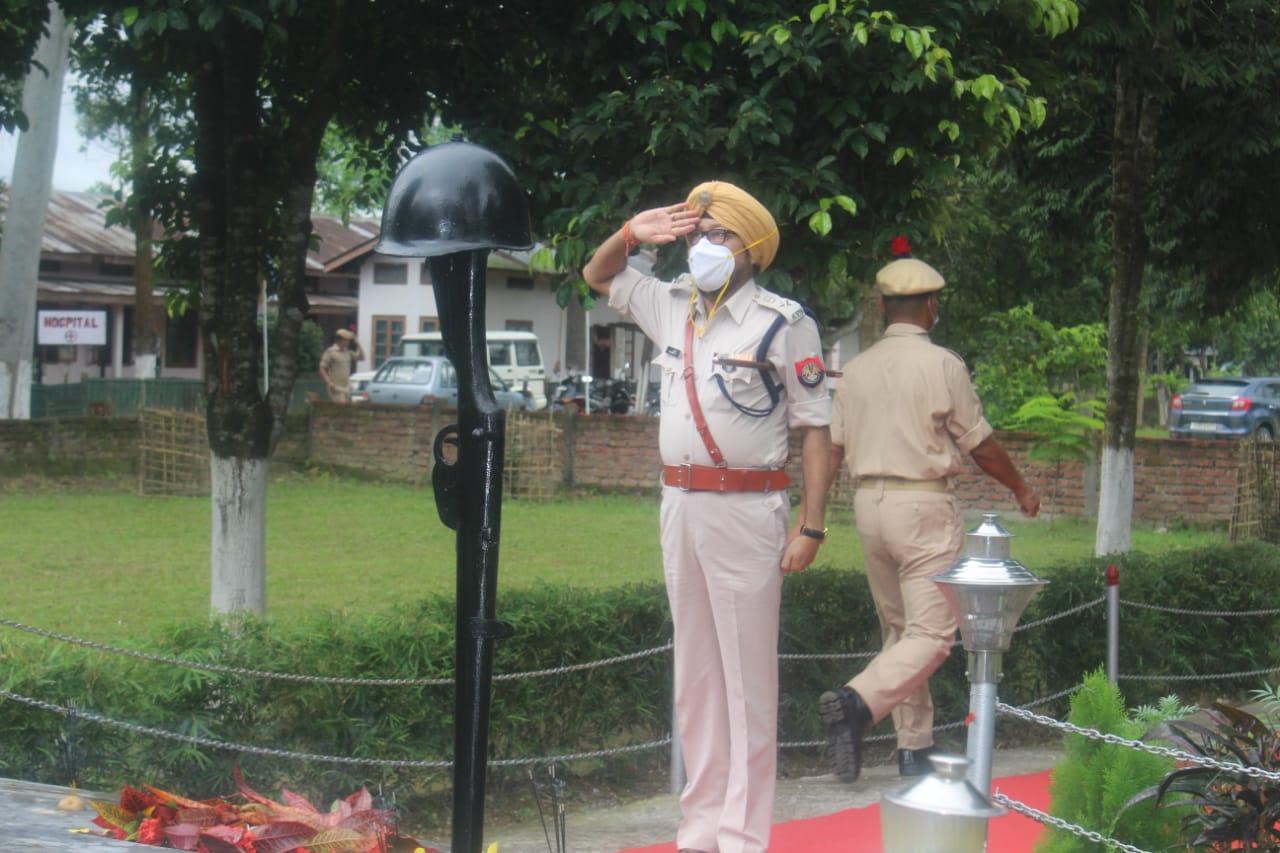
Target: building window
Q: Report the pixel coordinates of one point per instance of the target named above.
(519, 282)
(387, 332)
(387, 273)
(519, 326)
(424, 273)
(181, 336)
(428, 324)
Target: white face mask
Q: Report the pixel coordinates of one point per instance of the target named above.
(710, 265)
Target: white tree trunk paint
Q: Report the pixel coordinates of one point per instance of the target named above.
(15, 391)
(239, 539)
(144, 366)
(1115, 503)
(24, 220)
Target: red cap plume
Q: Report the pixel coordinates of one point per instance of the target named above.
(899, 247)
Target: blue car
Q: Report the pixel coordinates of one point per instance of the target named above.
(1227, 407)
(423, 380)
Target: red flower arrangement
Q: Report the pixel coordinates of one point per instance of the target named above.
(258, 825)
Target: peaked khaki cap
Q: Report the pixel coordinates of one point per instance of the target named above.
(908, 277)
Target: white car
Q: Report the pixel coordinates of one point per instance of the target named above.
(359, 386)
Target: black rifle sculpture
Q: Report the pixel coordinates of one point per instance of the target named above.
(452, 204)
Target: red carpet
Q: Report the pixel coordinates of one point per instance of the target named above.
(858, 830)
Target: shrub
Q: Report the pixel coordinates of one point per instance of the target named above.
(1095, 780)
(824, 610)
(1223, 809)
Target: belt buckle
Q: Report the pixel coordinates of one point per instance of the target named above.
(684, 477)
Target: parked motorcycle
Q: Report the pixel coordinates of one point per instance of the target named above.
(605, 395)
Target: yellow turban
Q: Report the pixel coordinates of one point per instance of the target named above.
(737, 210)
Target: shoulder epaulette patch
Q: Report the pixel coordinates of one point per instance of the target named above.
(683, 283)
(788, 308)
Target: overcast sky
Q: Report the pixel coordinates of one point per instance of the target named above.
(79, 164)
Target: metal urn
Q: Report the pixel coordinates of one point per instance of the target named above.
(990, 590)
(452, 204)
(941, 813)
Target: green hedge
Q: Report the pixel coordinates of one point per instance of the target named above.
(825, 610)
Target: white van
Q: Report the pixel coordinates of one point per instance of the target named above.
(515, 356)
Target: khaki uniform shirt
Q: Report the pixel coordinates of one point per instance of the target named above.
(906, 408)
(336, 363)
(661, 310)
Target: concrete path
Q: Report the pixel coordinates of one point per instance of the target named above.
(31, 822)
(654, 820)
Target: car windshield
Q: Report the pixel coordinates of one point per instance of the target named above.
(408, 372)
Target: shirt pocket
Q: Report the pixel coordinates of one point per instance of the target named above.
(672, 368)
(743, 386)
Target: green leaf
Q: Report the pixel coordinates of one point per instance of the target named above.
(1036, 111)
(914, 43)
(820, 223)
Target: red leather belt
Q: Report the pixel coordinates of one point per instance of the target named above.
(706, 478)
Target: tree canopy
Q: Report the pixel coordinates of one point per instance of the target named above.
(850, 121)
(21, 26)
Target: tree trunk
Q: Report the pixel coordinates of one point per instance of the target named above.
(1133, 163)
(144, 324)
(240, 202)
(24, 222)
(228, 171)
(239, 537)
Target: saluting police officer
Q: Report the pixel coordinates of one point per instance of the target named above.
(905, 416)
(741, 366)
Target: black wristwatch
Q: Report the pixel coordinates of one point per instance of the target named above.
(820, 535)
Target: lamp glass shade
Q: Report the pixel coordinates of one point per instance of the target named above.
(988, 588)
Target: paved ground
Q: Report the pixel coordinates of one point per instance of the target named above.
(31, 822)
(653, 820)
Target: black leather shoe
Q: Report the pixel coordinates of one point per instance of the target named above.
(846, 716)
(915, 762)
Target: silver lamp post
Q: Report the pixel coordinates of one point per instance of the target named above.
(989, 590)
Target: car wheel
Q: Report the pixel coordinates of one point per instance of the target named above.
(1264, 432)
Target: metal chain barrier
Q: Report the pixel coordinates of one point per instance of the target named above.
(1142, 606)
(1165, 751)
(832, 656)
(307, 756)
(1212, 677)
(1102, 599)
(1049, 820)
(321, 679)
(422, 682)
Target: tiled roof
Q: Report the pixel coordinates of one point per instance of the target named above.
(77, 225)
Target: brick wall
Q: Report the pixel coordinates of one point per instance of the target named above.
(58, 446)
(1173, 480)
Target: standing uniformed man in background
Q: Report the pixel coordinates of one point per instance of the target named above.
(905, 415)
(337, 363)
(740, 367)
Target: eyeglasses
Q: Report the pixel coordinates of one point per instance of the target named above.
(715, 236)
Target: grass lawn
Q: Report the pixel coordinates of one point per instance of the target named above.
(93, 559)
